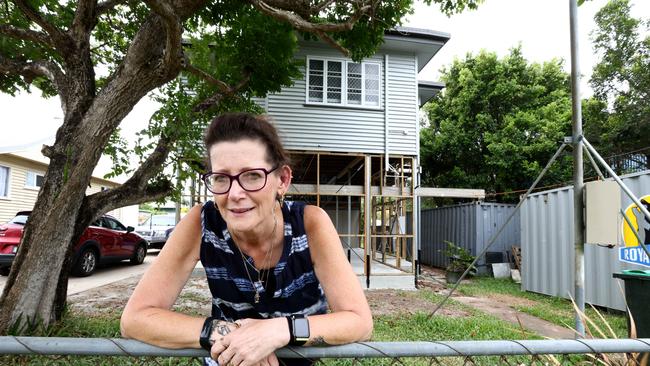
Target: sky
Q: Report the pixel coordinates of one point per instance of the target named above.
(540, 26)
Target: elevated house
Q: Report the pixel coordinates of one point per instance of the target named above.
(352, 129)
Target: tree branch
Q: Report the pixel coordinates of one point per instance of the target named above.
(56, 34)
(329, 40)
(108, 5)
(136, 189)
(110, 199)
(85, 18)
(319, 7)
(30, 70)
(300, 23)
(306, 26)
(217, 97)
(26, 34)
(173, 48)
(205, 76)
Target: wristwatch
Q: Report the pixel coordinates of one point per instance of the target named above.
(298, 329)
(206, 332)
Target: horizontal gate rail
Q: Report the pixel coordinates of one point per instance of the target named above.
(124, 347)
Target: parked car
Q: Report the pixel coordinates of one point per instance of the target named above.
(105, 240)
(156, 229)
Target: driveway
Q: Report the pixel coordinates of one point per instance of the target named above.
(104, 275)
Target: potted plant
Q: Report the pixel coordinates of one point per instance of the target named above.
(459, 260)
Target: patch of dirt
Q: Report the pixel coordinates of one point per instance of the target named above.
(111, 298)
(194, 298)
(395, 302)
(512, 301)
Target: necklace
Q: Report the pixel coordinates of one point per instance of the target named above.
(267, 263)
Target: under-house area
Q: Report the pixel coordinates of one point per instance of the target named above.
(367, 197)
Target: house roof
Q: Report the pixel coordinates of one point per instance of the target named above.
(428, 89)
(425, 43)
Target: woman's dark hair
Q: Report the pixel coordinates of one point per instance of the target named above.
(240, 126)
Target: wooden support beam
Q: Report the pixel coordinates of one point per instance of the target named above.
(367, 210)
(450, 192)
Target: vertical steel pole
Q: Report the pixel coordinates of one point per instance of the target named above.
(578, 183)
(369, 220)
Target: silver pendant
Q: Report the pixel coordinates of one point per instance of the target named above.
(257, 297)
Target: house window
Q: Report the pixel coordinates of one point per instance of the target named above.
(34, 180)
(346, 83)
(4, 181)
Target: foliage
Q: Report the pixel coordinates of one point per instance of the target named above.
(496, 124)
(459, 258)
(621, 79)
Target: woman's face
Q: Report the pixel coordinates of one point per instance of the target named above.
(246, 211)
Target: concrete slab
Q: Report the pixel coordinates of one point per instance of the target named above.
(382, 276)
(501, 270)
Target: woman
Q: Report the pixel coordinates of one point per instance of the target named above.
(273, 267)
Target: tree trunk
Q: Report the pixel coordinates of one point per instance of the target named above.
(31, 287)
(38, 275)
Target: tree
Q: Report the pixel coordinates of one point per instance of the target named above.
(101, 58)
(621, 79)
(496, 123)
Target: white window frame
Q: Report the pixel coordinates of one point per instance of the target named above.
(344, 83)
(36, 174)
(8, 183)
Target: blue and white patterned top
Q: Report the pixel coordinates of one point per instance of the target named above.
(291, 289)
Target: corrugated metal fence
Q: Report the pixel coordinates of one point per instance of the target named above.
(548, 253)
(469, 226)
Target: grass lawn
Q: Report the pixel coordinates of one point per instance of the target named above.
(553, 309)
(469, 325)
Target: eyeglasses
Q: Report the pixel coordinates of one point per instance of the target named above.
(251, 180)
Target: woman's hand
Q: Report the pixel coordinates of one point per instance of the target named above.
(253, 343)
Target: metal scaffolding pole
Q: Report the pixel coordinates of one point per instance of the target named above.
(10, 345)
(578, 178)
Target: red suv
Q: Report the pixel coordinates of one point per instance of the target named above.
(105, 240)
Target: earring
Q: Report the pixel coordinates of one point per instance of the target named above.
(280, 198)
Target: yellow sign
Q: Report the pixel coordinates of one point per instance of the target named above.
(632, 252)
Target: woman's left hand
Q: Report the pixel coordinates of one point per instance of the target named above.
(253, 343)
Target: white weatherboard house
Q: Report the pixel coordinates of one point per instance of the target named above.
(352, 129)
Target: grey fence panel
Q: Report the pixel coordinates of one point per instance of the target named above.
(548, 249)
(470, 226)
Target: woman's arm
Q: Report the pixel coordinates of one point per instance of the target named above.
(350, 319)
(148, 316)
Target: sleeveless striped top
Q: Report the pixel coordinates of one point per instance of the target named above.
(291, 288)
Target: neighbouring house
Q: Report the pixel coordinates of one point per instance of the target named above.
(352, 129)
(21, 176)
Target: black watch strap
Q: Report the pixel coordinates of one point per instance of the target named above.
(298, 329)
(206, 332)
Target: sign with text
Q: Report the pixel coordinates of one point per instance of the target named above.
(632, 252)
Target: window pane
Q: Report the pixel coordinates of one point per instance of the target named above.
(315, 92)
(4, 181)
(39, 180)
(372, 84)
(116, 225)
(354, 83)
(334, 81)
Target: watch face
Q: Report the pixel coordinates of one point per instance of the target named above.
(301, 328)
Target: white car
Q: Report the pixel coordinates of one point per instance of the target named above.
(156, 229)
